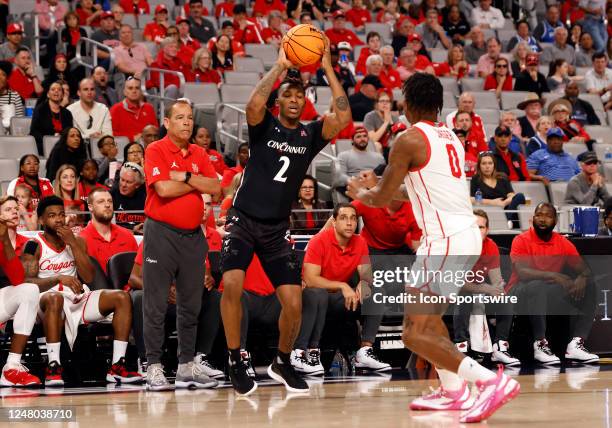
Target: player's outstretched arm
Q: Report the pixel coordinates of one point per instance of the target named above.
(341, 116)
(256, 106)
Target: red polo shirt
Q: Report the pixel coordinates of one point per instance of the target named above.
(489, 257)
(250, 34)
(512, 167)
(13, 269)
(173, 64)
(183, 212)
(130, 119)
(128, 6)
(213, 238)
(21, 84)
(358, 17)
(551, 256)
(360, 68)
(384, 230)
(390, 78)
(154, 30)
(336, 264)
(208, 76)
(264, 8)
(337, 36)
(229, 174)
(268, 33)
(217, 161)
(102, 250)
(224, 9)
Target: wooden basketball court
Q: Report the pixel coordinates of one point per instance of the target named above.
(550, 397)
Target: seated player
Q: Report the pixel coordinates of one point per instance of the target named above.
(57, 262)
(332, 256)
(18, 301)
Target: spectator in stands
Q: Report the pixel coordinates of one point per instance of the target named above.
(523, 35)
(508, 119)
(341, 68)
(511, 163)
(455, 65)
(606, 230)
(488, 17)
(156, 31)
(135, 7)
(475, 50)
(104, 93)
(558, 76)
(129, 194)
(201, 68)
(242, 157)
(224, 8)
(389, 77)
(273, 33)
(187, 44)
(201, 28)
(545, 31)
(587, 187)
(222, 54)
(379, 121)
(560, 49)
(489, 264)
(501, 79)
(305, 221)
(561, 111)
(118, 14)
(530, 79)
(245, 29)
(23, 79)
(538, 141)
(66, 186)
(70, 35)
(474, 140)
(552, 163)
(455, 24)
(359, 158)
(40, 187)
(409, 64)
(264, 8)
(201, 137)
(88, 178)
(467, 103)
(150, 133)
(432, 32)
(582, 110)
(14, 39)
(107, 35)
(50, 20)
(599, 80)
(539, 255)
(358, 15)
(11, 104)
(90, 117)
(70, 149)
(519, 53)
(532, 105)
(131, 58)
(61, 70)
(329, 8)
(338, 33)
(470, 159)
(167, 60)
(486, 63)
(89, 13)
(132, 114)
(304, 10)
(593, 22)
(49, 117)
(574, 34)
(332, 257)
(495, 188)
(363, 100)
(108, 149)
(134, 152)
(400, 38)
(584, 52)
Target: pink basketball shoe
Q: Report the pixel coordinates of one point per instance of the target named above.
(441, 399)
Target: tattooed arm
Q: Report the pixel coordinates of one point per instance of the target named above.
(256, 107)
(341, 111)
(30, 266)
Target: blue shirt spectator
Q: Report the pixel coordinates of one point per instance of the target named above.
(552, 163)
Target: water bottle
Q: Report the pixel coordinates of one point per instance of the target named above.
(197, 78)
(478, 196)
(338, 366)
(344, 60)
(608, 154)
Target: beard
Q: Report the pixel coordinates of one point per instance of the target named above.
(103, 218)
(543, 232)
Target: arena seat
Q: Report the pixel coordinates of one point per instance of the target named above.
(202, 94)
(601, 133)
(594, 99)
(488, 115)
(449, 100)
(471, 84)
(608, 171)
(343, 146)
(15, 147)
(601, 149)
(241, 77)
(525, 215)
(20, 126)
(557, 192)
(497, 217)
(249, 64)
(485, 99)
(574, 149)
(324, 94)
(8, 169)
(236, 94)
(510, 99)
(49, 141)
(534, 190)
(450, 84)
(119, 268)
(267, 53)
(383, 29)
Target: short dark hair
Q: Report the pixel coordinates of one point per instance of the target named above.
(545, 205)
(22, 49)
(522, 21)
(424, 93)
(241, 146)
(483, 214)
(372, 34)
(341, 205)
(49, 201)
(102, 138)
(170, 107)
(598, 55)
(608, 208)
(239, 8)
(316, 187)
(292, 83)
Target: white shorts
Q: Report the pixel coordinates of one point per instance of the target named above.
(19, 303)
(444, 262)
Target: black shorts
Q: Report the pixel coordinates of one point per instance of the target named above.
(270, 240)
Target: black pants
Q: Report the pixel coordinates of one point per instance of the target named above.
(263, 310)
(172, 256)
(517, 199)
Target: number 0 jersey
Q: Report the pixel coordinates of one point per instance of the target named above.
(279, 158)
(438, 190)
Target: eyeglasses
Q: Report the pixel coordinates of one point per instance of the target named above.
(385, 101)
(501, 65)
(109, 143)
(591, 162)
(170, 34)
(133, 152)
(90, 122)
(307, 188)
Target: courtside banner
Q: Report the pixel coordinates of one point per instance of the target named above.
(497, 285)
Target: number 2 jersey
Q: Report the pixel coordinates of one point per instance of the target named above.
(279, 158)
(438, 190)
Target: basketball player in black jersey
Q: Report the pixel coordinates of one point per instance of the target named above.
(281, 151)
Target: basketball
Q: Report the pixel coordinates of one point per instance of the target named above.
(304, 45)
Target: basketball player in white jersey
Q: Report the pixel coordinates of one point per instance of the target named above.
(429, 159)
(57, 261)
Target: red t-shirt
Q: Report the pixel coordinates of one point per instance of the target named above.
(360, 68)
(268, 33)
(390, 78)
(13, 269)
(213, 238)
(186, 52)
(264, 8)
(129, 120)
(422, 62)
(217, 161)
(337, 36)
(551, 256)
(336, 264)
(21, 84)
(20, 242)
(138, 259)
(44, 185)
(489, 257)
(490, 83)
(250, 34)
(513, 167)
(384, 230)
(174, 64)
(444, 69)
(183, 212)
(84, 14)
(358, 17)
(128, 7)
(224, 9)
(154, 30)
(102, 250)
(229, 174)
(208, 76)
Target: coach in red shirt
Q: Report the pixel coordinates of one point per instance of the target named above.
(130, 116)
(539, 257)
(332, 258)
(105, 239)
(338, 33)
(177, 173)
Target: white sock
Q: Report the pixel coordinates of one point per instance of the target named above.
(450, 381)
(471, 371)
(13, 359)
(119, 348)
(53, 351)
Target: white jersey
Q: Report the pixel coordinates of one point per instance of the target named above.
(438, 190)
(52, 263)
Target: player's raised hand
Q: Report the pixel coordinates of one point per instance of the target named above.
(66, 235)
(282, 57)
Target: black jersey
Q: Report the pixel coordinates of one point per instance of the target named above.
(279, 158)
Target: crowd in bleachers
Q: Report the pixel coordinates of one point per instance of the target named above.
(531, 103)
